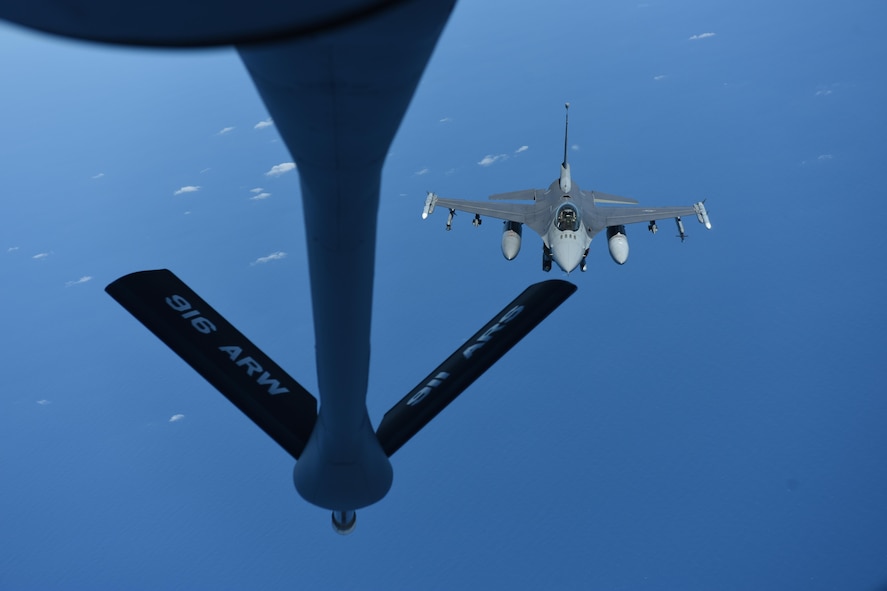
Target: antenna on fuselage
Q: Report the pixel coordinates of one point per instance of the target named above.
(566, 129)
(565, 181)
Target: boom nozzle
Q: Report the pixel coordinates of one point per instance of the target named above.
(344, 522)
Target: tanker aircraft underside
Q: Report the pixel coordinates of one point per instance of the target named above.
(566, 217)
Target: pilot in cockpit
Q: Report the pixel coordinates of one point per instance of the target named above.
(567, 220)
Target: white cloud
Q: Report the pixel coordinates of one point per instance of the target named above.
(490, 159)
(225, 131)
(205, 170)
(260, 196)
(522, 149)
(279, 169)
(43, 402)
(659, 77)
(263, 124)
(446, 120)
(702, 36)
(188, 189)
(823, 92)
(575, 147)
(41, 256)
(820, 158)
(257, 190)
(176, 418)
(421, 172)
(83, 279)
(98, 176)
(274, 256)
(12, 249)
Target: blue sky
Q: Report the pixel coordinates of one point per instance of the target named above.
(708, 416)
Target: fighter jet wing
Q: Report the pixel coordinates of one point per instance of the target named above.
(601, 197)
(617, 216)
(525, 195)
(523, 213)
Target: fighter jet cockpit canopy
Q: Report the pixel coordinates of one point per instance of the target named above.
(567, 218)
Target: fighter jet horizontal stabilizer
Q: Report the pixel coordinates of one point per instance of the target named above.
(256, 385)
(470, 361)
